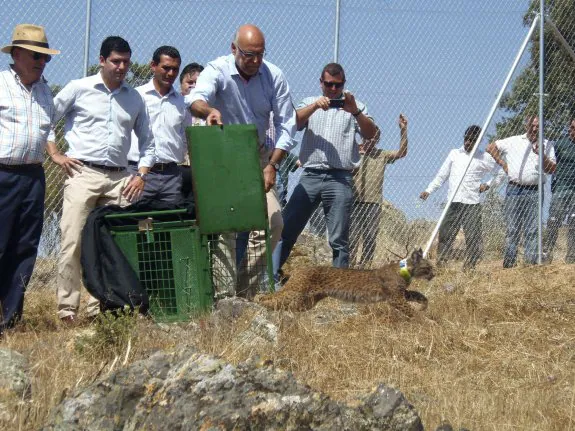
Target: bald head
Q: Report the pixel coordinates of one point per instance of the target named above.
(248, 48)
(249, 33)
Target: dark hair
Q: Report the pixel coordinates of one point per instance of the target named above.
(114, 43)
(333, 69)
(472, 133)
(190, 69)
(170, 51)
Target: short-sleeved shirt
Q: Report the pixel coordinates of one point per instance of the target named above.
(522, 161)
(26, 118)
(221, 86)
(331, 138)
(368, 179)
(564, 175)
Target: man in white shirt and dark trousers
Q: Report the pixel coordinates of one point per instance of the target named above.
(465, 209)
(169, 118)
(519, 158)
(100, 111)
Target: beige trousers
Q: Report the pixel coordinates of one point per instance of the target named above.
(83, 192)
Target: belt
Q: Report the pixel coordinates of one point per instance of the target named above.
(104, 167)
(158, 167)
(24, 167)
(524, 186)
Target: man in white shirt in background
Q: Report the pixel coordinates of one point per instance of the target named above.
(169, 118)
(519, 158)
(465, 209)
(100, 111)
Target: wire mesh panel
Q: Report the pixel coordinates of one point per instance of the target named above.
(440, 63)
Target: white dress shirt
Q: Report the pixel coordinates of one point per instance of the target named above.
(248, 102)
(99, 122)
(453, 169)
(25, 119)
(169, 118)
(522, 161)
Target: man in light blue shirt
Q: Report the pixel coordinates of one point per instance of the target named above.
(100, 111)
(243, 88)
(169, 118)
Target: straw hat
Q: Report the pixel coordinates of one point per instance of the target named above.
(31, 37)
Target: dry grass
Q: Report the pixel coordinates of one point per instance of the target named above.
(494, 351)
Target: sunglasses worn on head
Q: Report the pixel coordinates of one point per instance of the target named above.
(329, 84)
(38, 56)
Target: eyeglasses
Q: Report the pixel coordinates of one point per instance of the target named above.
(329, 84)
(251, 55)
(37, 56)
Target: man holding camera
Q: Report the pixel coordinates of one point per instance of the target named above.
(329, 153)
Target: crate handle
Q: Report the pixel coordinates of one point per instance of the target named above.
(147, 225)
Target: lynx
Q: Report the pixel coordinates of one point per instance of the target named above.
(306, 286)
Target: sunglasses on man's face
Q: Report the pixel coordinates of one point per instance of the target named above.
(329, 84)
(37, 56)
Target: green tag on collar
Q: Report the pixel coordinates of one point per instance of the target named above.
(403, 271)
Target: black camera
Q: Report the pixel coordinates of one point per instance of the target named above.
(336, 103)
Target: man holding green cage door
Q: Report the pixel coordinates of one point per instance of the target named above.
(243, 88)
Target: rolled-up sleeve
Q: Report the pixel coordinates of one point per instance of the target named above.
(206, 87)
(143, 130)
(284, 115)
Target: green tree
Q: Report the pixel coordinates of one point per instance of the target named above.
(559, 88)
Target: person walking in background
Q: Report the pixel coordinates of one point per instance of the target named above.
(100, 111)
(465, 209)
(243, 88)
(519, 157)
(329, 153)
(169, 118)
(563, 198)
(368, 196)
(26, 115)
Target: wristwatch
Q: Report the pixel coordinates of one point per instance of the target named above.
(141, 175)
(276, 166)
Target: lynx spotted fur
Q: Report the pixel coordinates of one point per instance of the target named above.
(306, 286)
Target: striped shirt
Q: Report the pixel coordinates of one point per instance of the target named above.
(331, 138)
(25, 120)
(169, 118)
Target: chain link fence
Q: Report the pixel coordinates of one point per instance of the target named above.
(441, 64)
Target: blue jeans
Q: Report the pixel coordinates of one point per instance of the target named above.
(333, 189)
(521, 218)
(562, 205)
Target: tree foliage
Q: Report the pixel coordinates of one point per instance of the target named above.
(559, 72)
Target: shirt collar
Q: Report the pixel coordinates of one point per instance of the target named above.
(17, 77)
(99, 81)
(149, 87)
(234, 69)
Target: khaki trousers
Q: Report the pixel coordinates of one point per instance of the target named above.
(83, 192)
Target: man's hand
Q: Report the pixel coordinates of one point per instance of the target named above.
(349, 104)
(493, 151)
(423, 196)
(483, 188)
(214, 118)
(134, 188)
(322, 103)
(269, 177)
(402, 122)
(67, 164)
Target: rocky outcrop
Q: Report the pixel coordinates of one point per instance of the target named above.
(13, 378)
(188, 390)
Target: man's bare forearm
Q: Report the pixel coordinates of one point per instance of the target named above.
(200, 109)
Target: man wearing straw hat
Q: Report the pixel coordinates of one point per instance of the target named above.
(26, 114)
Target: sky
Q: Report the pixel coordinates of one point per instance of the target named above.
(440, 62)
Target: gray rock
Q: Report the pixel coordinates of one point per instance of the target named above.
(13, 378)
(189, 391)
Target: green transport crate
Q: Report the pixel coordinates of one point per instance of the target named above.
(172, 262)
